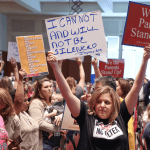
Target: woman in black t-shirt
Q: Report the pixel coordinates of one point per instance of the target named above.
(103, 125)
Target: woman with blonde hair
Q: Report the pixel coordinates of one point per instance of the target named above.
(106, 127)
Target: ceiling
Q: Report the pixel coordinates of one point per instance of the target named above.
(109, 8)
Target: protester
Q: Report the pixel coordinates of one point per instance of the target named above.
(123, 88)
(11, 120)
(105, 113)
(29, 127)
(41, 100)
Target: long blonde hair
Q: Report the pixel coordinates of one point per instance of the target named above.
(115, 101)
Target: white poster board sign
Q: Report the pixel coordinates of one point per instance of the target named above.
(13, 51)
(74, 59)
(68, 123)
(76, 35)
(101, 56)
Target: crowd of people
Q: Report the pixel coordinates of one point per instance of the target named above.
(116, 114)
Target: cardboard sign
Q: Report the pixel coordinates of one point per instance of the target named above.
(114, 67)
(32, 55)
(137, 28)
(13, 51)
(76, 35)
(68, 123)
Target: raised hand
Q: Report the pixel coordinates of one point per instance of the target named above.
(78, 61)
(146, 54)
(22, 73)
(52, 59)
(13, 62)
(94, 62)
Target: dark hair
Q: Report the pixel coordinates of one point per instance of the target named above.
(107, 81)
(38, 87)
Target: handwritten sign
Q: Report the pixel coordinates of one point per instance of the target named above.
(137, 28)
(74, 59)
(32, 55)
(114, 67)
(76, 35)
(101, 56)
(13, 51)
(68, 123)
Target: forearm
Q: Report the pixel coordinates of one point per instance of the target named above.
(19, 96)
(140, 77)
(97, 72)
(54, 113)
(82, 76)
(132, 96)
(16, 76)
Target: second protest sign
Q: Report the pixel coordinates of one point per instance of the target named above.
(32, 55)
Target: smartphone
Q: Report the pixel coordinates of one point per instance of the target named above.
(15, 142)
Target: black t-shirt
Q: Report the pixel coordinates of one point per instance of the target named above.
(97, 134)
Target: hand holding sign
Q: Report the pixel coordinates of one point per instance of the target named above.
(94, 63)
(13, 62)
(146, 54)
(78, 61)
(52, 59)
(76, 35)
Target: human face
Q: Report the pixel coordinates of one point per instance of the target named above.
(118, 89)
(104, 106)
(25, 104)
(46, 89)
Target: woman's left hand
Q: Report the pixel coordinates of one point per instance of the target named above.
(146, 54)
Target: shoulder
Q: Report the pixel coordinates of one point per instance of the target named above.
(36, 102)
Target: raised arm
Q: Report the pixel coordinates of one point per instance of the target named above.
(2, 65)
(132, 96)
(15, 68)
(72, 101)
(19, 95)
(96, 69)
(81, 72)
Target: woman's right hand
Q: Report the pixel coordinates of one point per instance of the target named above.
(52, 59)
(22, 73)
(10, 145)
